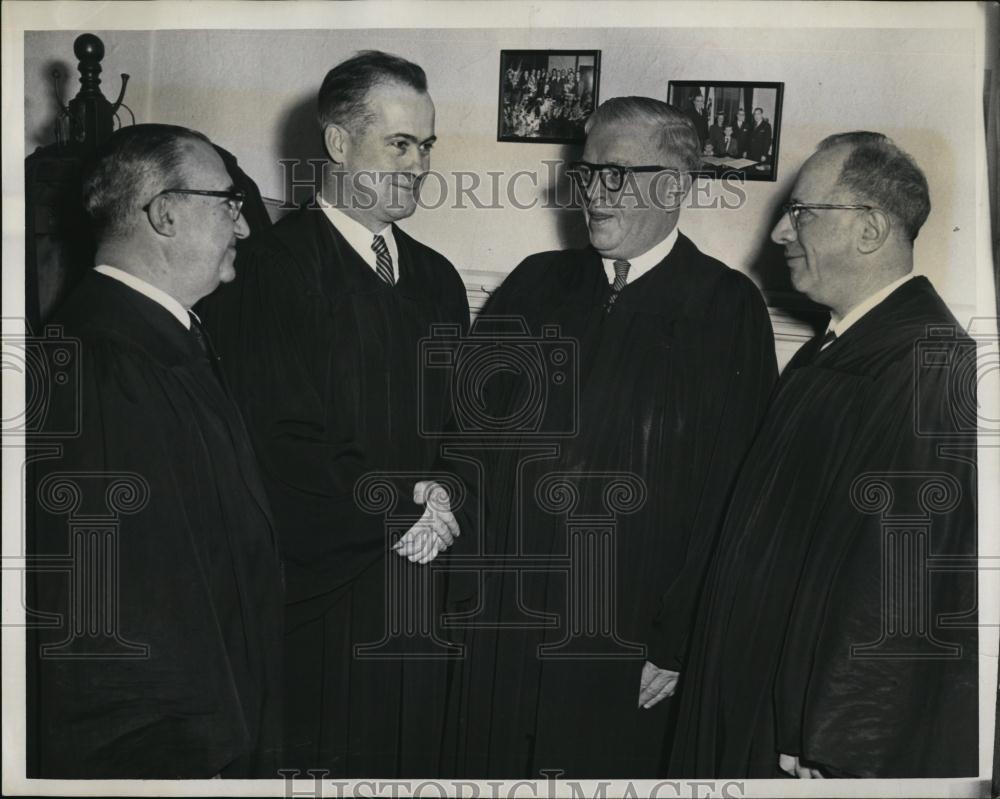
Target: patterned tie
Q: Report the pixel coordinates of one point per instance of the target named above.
(828, 339)
(621, 278)
(383, 260)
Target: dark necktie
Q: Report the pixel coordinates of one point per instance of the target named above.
(810, 352)
(621, 278)
(200, 335)
(383, 260)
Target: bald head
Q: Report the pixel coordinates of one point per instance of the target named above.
(850, 226)
(874, 171)
(136, 162)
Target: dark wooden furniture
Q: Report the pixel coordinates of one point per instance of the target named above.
(59, 248)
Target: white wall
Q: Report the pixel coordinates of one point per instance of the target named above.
(252, 92)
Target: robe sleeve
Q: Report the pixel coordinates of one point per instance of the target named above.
(478, 508)
(739, 350)
(485, 495)
(274, 331)
(173, 712)
(878, 674)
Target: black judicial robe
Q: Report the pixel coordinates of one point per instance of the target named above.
(198, 575)
(325, 359)
(803, 562)
(669, 388)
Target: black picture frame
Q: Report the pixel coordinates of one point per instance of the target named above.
(527, 112)
(752, 152)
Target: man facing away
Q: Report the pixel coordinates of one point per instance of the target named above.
(826, 644)
(675, 362)
(180, 678)
(319, 334)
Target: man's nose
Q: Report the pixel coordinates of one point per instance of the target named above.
(242, 228)
(418, 162)
(593, 192)
(784, 231)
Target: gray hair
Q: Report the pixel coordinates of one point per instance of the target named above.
(672, 130)
(876, 171)
(131, 167)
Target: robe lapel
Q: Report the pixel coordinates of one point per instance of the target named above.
(153, 327)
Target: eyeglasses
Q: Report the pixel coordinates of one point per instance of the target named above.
(612, 175)
(794, 210)
(234, 199)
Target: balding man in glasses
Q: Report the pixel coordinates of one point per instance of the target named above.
(166, 661)
(676, 362)
(836, 636)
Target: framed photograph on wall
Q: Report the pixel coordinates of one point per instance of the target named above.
(738, 123)
(546, 95)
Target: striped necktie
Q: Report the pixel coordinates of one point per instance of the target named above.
(828, 339)
(383, 260)
(621, 278)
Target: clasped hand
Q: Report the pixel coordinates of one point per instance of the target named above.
(793, 767)
(435, 531)
(656, 684)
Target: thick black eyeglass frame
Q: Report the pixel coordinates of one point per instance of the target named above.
(577, 169)
(793, 210)
(235, 198)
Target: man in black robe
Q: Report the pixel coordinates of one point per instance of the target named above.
(836, 635)
(161, 564)
(657, 361)
(320, 335)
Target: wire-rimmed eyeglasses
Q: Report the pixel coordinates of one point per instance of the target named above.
(612, 175)
(794, 210)
(234, 199)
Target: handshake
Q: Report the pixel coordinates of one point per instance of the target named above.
(435, 531)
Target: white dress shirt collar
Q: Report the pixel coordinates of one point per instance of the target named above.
(840, 326)
(158, 296)
(643, 263)
(359, 237)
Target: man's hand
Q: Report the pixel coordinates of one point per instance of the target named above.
(790, 765)
(656, 684)
(437, 528)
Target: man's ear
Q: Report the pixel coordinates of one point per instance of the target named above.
(162, 216)
(685, 182)
(337, 140)
(876, 227)
(671, 187)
